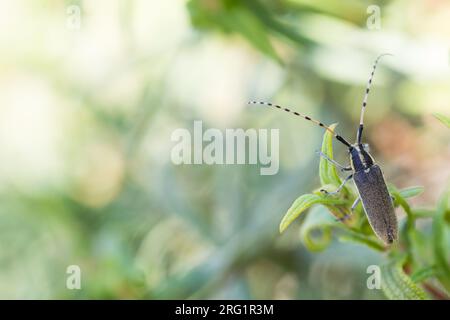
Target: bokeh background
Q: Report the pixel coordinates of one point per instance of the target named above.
(87, 108)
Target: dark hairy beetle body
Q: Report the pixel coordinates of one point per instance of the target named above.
(375, 197)
(366, 174)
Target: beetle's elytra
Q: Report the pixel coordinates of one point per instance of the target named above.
(366, 174)
(377, 202)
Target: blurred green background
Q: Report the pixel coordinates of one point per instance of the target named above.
(86, 116)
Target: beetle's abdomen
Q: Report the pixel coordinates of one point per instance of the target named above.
(377, 202)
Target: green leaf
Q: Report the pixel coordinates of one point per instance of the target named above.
(233, 17)
(350, 10)
(301, 204)
(444, 119)
(422, 274)
(338, 209)
(423, 213)
(353, 236)
(440, 241)
(397, 285)
(341, 212)
(409, 229)
(327, 171)
(399, 199)
(316, 230)
(411, 191)
(253, 30)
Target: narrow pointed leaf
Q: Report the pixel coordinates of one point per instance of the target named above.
(301, 204)
(327, 171)
(440, 242)
(411, 191)
(316, 230)
(444, 119)
(423, 274)
(371, 242)
(397, 285)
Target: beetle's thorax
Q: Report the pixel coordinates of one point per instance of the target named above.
(360, 159)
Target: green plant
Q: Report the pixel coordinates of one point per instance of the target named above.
(444, 119)
(416, 266)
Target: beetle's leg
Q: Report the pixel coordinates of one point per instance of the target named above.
(355, 203)
(352, 209)
(337, 164)
(392, 198)
(339, 188)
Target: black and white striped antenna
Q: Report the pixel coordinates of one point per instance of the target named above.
(320, 124)
(364, 104)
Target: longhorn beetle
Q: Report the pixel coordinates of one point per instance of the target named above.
(366, 174)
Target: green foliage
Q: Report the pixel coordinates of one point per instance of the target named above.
(422, 274)
(316, 232)
(397, 285)
(301, 204)
(444, 119)
(259, 23)
(411, 192)
(327, 172)
(330, 180)
(232, 17)
(441, 242)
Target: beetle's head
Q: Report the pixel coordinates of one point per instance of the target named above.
(365, 147)
(360, 157)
